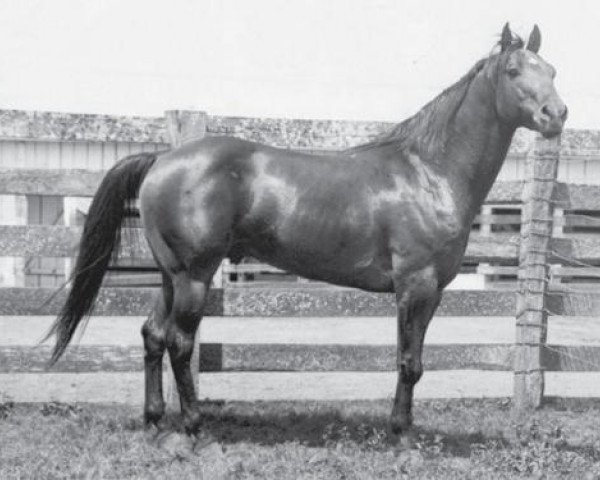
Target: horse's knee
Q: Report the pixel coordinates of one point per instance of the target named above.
(154, 341)
(180, 345)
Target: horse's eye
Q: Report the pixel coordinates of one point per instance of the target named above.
(513, 72)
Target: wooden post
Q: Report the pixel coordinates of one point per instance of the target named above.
(559, 225)
(536, 233)
(485, 224)
(183, 126)
(485, 229)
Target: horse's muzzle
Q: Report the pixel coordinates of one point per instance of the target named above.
(550, 119)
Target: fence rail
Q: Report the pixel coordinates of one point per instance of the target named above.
(61, 241)
(83, 183)
(270, 357)
(292, 133)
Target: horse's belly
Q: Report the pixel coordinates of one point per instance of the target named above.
(335, 270)
(349, 260)
(323, 232)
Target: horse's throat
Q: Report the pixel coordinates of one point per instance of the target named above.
(476, 148)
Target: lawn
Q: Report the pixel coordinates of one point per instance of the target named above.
(288, 440)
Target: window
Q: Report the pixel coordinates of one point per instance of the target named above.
(44, 271)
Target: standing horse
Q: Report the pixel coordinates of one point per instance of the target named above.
(393, 215)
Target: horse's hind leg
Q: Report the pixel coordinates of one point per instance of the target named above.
(154, 334)
(189, 296)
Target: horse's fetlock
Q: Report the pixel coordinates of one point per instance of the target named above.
(191, 421)
(154, 411)
(401, 422)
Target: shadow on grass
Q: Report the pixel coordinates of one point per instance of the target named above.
(560, 404)
(322, 425)
(456, 427)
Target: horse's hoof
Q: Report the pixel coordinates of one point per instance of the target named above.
(178, 445)
(155, 428)
(407, 440)
(151, 431)
(208, 446)
(404, 439)
(412, 457)
(192, 421)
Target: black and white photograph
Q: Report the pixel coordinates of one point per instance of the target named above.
(300, 239)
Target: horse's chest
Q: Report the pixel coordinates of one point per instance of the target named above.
(427, 229)
(423, 203)
(430, 218)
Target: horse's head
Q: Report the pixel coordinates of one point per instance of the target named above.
(525, 92)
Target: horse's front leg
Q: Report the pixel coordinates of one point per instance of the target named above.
(416, 305)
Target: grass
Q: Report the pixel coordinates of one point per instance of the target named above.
(309, 440)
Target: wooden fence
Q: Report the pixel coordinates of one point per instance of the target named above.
(566, 254)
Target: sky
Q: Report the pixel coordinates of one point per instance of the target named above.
(330, 59)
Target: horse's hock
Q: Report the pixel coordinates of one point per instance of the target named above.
(52, 156)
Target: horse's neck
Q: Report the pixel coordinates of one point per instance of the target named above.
(476, 145)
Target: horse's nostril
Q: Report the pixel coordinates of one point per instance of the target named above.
(551, 113)
(546, 111)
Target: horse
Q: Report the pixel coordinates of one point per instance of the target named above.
(392, 215)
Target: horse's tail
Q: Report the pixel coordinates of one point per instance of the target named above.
(101, 236)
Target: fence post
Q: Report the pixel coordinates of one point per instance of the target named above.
(183, 126)
(536, 233)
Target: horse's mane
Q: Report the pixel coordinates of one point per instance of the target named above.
(427, 129)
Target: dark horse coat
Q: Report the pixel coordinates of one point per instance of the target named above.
(393, 215)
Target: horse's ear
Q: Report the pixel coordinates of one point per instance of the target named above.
(506, 38)
(535, 40)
